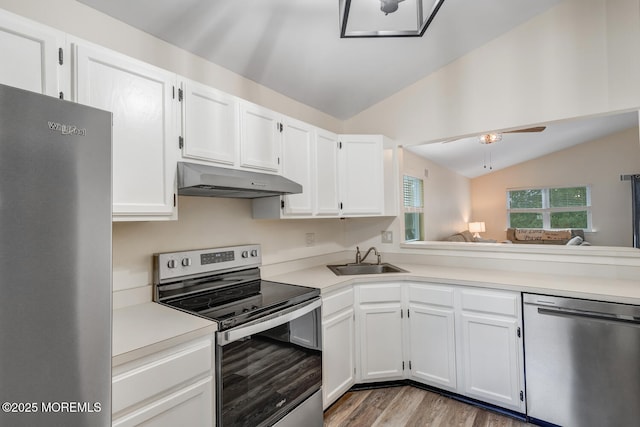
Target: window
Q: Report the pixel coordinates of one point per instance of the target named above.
(413, 205)
(550, 208)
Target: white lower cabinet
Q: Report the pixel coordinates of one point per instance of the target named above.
(379, 332)
(190, 406)
(431, 324)
(491, 355)
(172, 387)
(461, 339)
(338, 345)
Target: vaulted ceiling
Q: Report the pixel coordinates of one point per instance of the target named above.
(294, 46)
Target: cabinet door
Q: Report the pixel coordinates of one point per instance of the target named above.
(361, 175)
(297, 145)
(29, 53)
(326, 174)
(432, 345)
(140, 97)
(209, 124)
(338, 358)
(260, 131)
(380, 338)
(491, 351)
(190, 406)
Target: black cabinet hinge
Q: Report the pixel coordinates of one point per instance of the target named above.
(174, 200)
(403, 366)
(173, 92)
(180, 95)
(409, 364)
(401, 315)
(60, 56)
(280, 127)
(340, 145)
(518, 332)
(340, 205)
(180, 142)
(61, 95)
(521, 396)
(281, 204)
(278, 160)
(408, 316)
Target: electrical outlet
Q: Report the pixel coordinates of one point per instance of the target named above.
(311, 239)
(387, 236)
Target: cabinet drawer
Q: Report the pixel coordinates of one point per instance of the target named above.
(431, 294)
(379, 293)
(337, 301)
(189, 406)
(486, 301)
(161, 375)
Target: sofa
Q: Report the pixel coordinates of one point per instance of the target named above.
(546, 237)
(466, 236)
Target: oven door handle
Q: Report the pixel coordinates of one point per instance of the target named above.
(267, 323)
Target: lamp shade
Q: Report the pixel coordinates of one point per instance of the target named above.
(477, 227)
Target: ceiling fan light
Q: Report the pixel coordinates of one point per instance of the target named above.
(490, 138)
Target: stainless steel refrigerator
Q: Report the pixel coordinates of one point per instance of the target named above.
(55, 262)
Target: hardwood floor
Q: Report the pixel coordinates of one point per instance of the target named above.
(411, 407)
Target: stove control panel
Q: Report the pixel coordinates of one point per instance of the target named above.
(171, 266)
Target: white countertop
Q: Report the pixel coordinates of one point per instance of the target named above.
(625, 291)
(143, 329)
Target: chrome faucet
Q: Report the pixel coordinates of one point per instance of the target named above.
(360, 259)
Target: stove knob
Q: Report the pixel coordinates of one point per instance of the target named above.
(171, 263)
(245, 254)
(245, 310)
(254, 252)
(186, 262)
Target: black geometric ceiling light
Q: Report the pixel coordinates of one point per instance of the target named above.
(386, 18)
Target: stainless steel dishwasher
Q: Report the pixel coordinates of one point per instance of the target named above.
(582, 361)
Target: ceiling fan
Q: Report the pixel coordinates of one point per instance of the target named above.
(491, 137)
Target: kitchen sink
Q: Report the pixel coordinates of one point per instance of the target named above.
(351, 269)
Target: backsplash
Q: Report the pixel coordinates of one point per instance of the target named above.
(213, 222)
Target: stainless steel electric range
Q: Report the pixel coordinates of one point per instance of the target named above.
(268, 344)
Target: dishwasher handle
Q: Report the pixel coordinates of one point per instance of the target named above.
(564, 312)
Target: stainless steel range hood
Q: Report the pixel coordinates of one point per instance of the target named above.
(212, 181)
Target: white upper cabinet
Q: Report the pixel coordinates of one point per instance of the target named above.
(210, 127)
(145, 147)
(361, 172)
(30, 55)
(260, 130)
(326, 174)
(297, 165)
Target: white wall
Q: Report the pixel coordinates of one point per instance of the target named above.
(578, 58)
(447, 195)
(597, 163)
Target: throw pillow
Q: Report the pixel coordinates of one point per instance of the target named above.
(575, 241)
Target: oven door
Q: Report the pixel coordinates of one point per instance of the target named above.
(268, 367)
